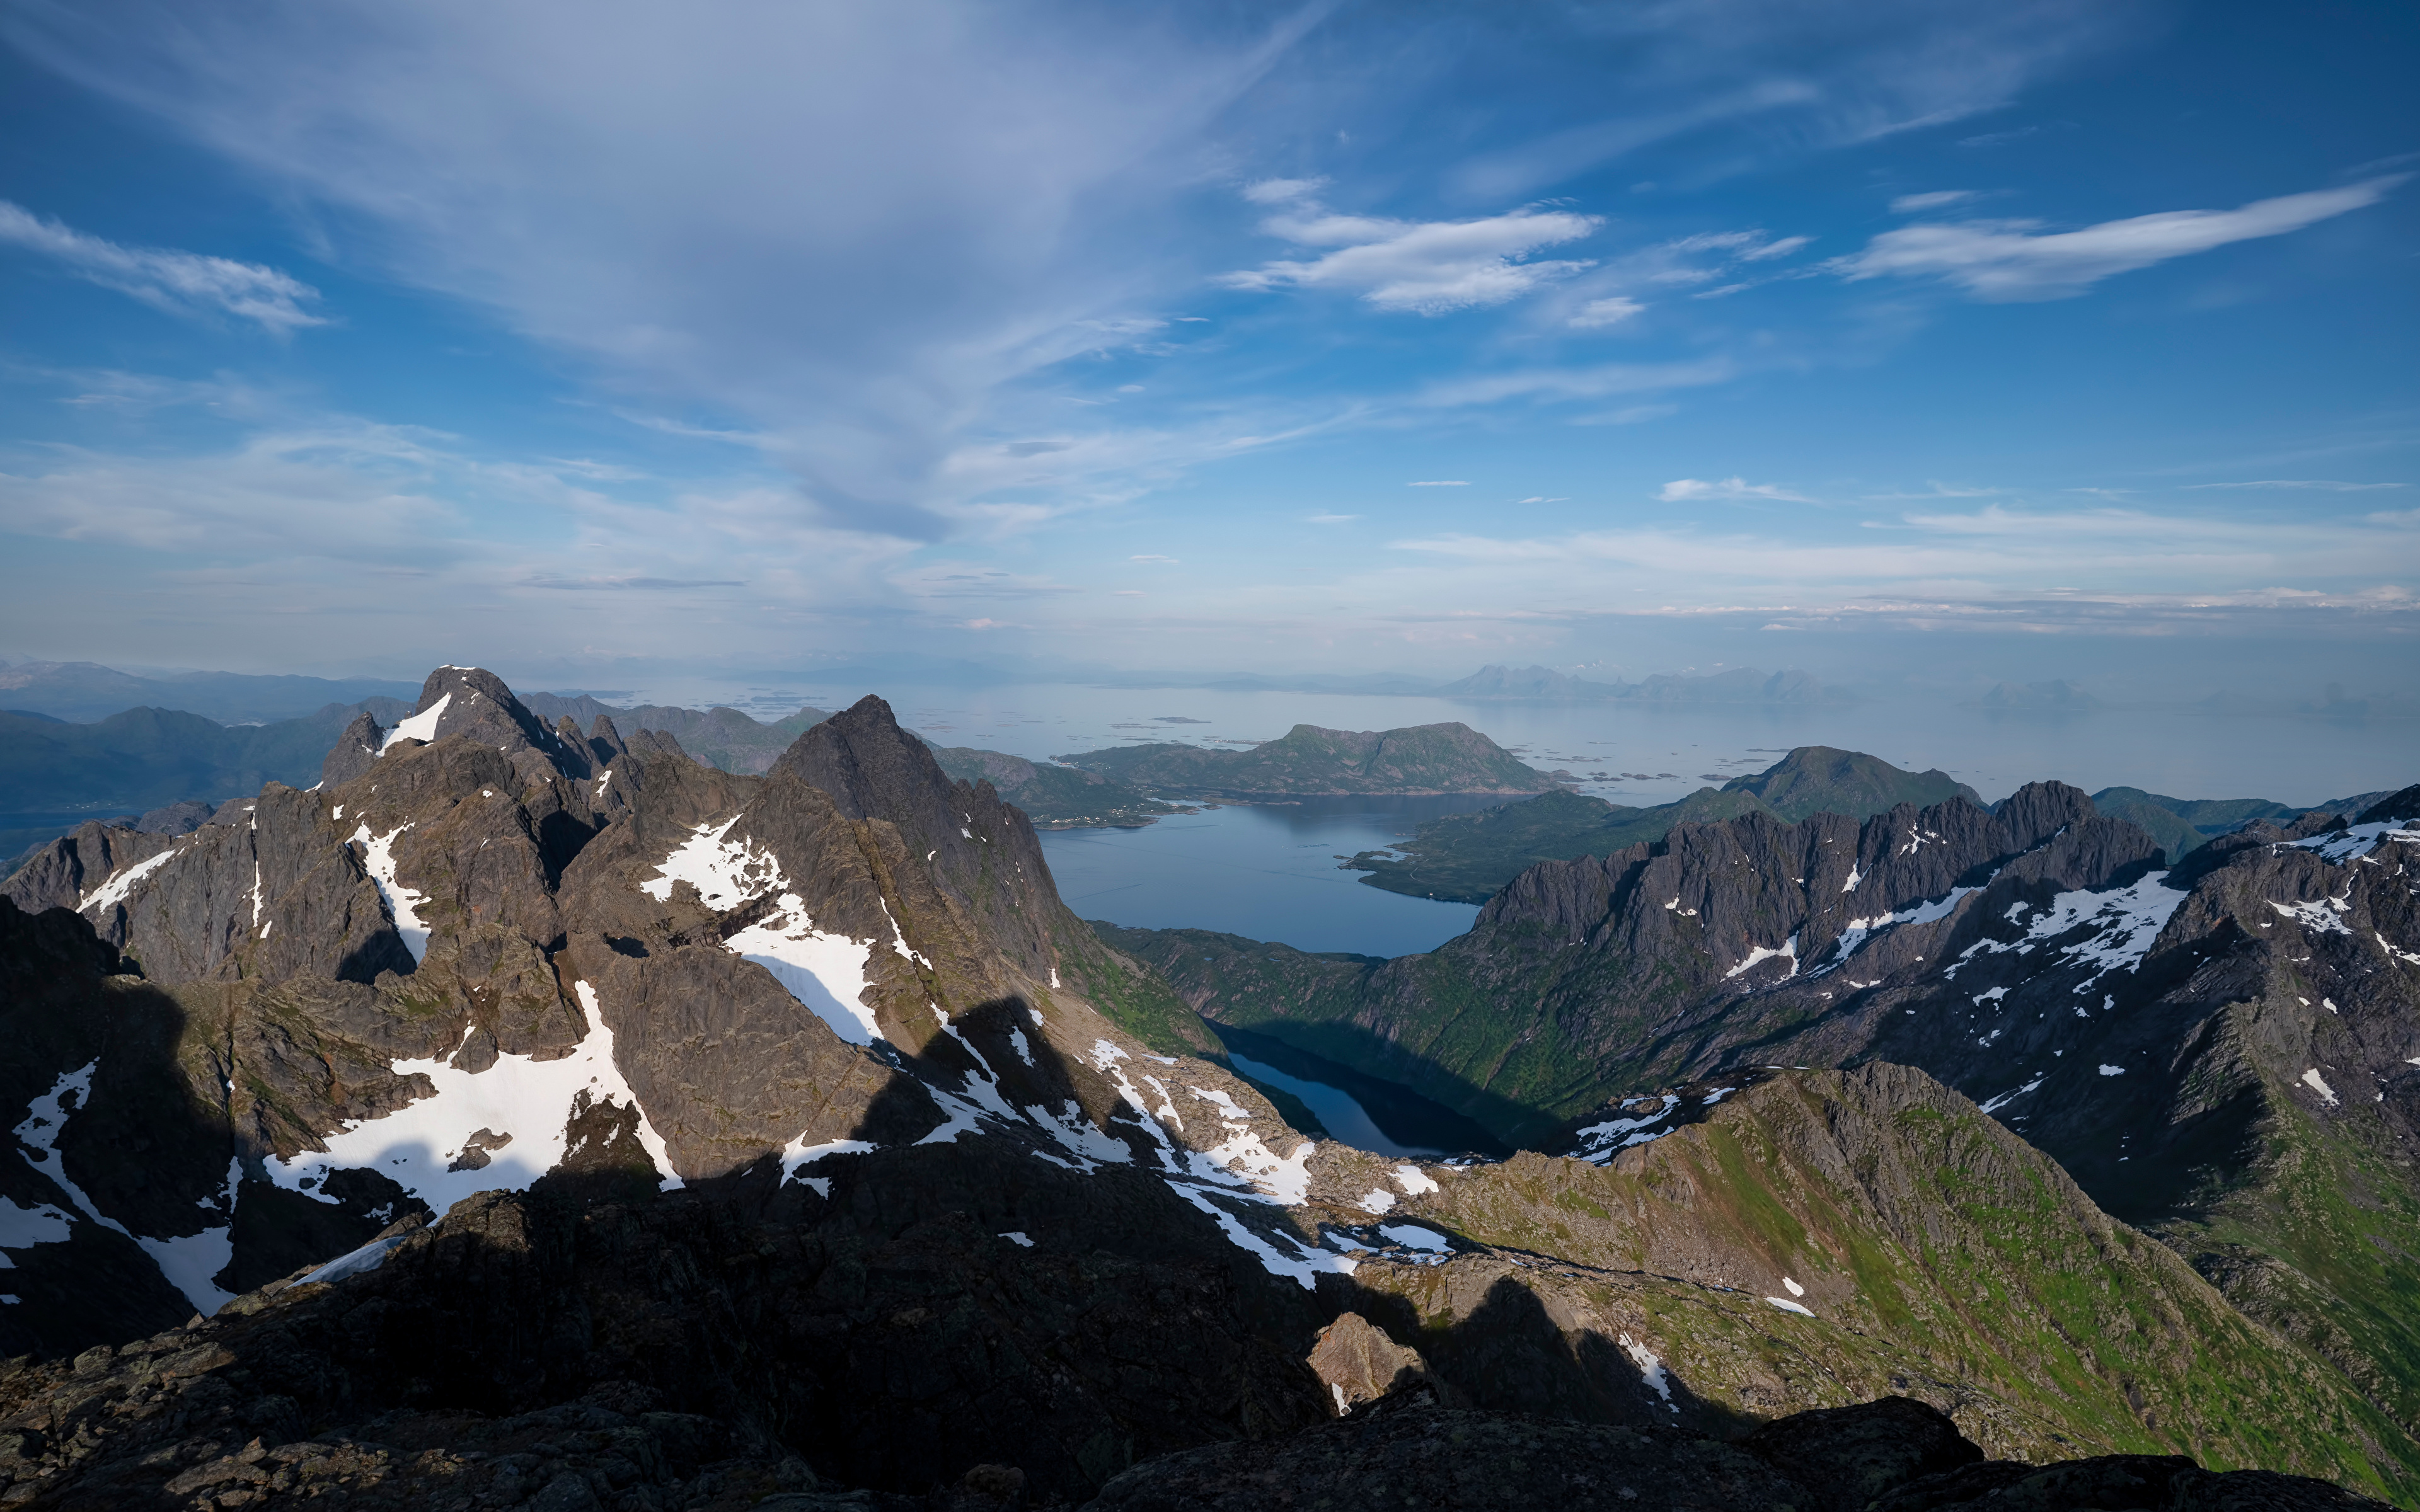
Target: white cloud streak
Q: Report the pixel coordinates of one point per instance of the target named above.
(1687, 490)
(1932, 200)
(1597, 315)
(2015, 261)
(1993, 554)
(1417, 267)
(179, 283)
(2313, 484)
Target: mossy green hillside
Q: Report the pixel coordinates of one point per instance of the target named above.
(1905, 1216)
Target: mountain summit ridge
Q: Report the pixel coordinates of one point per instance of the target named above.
(523, 1086)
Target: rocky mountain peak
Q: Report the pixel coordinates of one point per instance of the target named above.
(474, 703)
(1819, 778)
(865, 763)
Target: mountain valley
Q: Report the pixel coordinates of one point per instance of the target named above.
(536, 1115)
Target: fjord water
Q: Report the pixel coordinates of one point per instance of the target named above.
(1265, 871)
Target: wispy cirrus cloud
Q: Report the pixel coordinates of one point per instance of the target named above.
(1416, 267)
(2314, 485)
(1596, 314)
(1547, 385)
(2015, 261)
(1934, 489)
(186, 283)
(623, 584)
(1788, 78)
(1690, 490)
(1935, 200)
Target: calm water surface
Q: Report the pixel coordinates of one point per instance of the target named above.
(1265, 872)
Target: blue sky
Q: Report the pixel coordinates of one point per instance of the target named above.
(1907, 340)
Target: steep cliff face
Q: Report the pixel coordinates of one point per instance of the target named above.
(496, 946)
(2223, 1053)
(1606, 974)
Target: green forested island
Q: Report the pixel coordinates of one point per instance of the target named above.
(1309, 762)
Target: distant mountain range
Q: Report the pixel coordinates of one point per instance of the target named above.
(1741, 684)
(719, 736)
(2053, 696)
(53, 775)
(83, 691)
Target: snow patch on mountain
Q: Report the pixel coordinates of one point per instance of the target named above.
(1788, 950)
(25, 1227)
(1853, 936)
(421, 726)
(725, 872)
(2322, 915)
(1601, 1142)
(2357, 840)
(494, 1130)
(2005, 1097)
(797, 1156)
(186, 1261)
(2122, 923)
(1650, 1370)
(121, 882)
(825, 973)
(1304, 1266)
(402, 904)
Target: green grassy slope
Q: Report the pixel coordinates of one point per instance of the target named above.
(1941, 1257)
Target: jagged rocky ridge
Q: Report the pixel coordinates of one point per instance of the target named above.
(798, 1109)
(2223, 1052)
(1468, 858)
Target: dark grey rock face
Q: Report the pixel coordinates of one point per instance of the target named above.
(355, 751)
(61, 874)
(1417, 1454)
(2403, 805)
(474, 703)
(176, 818)
(887, 1337)
(1892, 1455)
(481, 909)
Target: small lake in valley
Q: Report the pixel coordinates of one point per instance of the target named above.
(1268, 872)
(1362, 1111)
